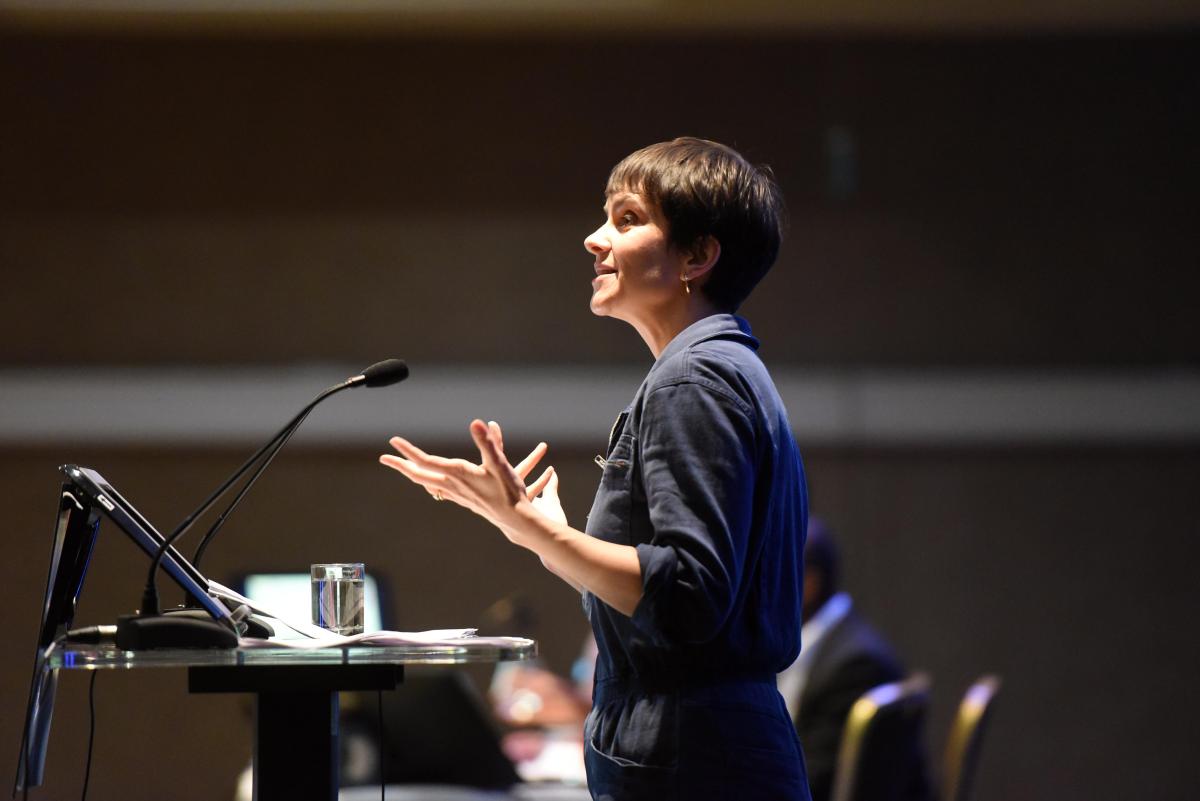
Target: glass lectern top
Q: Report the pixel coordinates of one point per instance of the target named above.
(92, 657)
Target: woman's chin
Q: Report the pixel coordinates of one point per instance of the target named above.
(599, 305)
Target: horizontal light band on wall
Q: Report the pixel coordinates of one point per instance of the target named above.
(575, 406)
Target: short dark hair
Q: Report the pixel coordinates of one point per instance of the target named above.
(704, 189)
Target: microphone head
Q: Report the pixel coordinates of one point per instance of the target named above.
(385, 373)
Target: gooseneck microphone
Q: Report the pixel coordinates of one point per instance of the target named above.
(380, 374)
(149, 628)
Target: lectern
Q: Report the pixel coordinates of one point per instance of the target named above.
(296, 689)
(296, 734)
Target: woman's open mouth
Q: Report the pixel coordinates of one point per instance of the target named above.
(601, 272)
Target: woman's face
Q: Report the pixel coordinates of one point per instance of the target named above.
(638, 272)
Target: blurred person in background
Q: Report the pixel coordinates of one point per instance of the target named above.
(843, 657)
(690, 565)
(545, 712)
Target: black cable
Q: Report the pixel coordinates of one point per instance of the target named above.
(379, 712)
(278, 443)
(87, 770)
(150, 594)
(380, 374)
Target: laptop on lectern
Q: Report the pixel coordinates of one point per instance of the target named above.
(86, 498)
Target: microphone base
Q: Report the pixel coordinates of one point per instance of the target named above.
(257, 628)
(148, 632)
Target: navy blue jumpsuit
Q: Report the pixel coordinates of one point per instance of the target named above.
(703, 477)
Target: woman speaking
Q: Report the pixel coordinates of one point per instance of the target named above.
(690, 564)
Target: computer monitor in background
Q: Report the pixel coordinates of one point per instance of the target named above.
(290, 594)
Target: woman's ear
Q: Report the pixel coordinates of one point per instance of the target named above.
(702, 256)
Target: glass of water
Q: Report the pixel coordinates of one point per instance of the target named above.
(337, 597)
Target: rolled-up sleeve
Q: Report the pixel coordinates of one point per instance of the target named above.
(697, 459)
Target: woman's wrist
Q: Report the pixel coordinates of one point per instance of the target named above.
(527, 527)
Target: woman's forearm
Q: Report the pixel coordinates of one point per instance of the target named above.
(609, 571)
(546, 563)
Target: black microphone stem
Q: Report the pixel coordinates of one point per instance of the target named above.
(150, 595)
(380, 374)
(270, 457)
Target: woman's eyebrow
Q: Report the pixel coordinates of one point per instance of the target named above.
(616, 198)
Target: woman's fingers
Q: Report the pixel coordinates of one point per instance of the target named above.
(412, 470)
(497, 434)
(526, 465)
(548, 503)
(436, 484)
(471, 485)
(491, 453)
(535, 489)
(418, 456)
(495, 464)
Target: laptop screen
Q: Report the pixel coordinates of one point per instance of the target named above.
(86, 497)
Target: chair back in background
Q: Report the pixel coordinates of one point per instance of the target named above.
(881, 757)
(966, 734)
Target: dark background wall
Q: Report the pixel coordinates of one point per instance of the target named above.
(956, 202)
(1057, 176)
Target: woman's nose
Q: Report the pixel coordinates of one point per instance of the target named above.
(596, 242)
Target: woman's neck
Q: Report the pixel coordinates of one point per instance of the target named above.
(657, 330)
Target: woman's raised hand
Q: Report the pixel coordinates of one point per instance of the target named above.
(542, 493)
(493, 488)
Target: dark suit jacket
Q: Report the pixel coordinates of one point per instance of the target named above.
(850, 659)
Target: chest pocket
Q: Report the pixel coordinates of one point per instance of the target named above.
(618, 465)
(609, 518)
